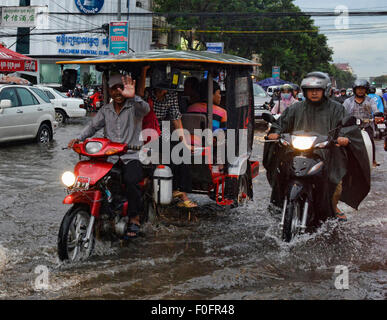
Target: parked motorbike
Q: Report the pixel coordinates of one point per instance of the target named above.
(380, 125)
(97, 195)
(302, 169)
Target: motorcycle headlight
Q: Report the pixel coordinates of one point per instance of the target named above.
(68, 179)
(93, 147)
(302, 142)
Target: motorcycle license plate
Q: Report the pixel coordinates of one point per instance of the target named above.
(381, 126)
(358, 122)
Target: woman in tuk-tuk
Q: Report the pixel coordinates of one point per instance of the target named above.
(219, 114)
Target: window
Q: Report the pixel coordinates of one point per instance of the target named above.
(26, 97)
(49, 94)
(60, 93)
(258, 91)
(9, 94)
(41, 94)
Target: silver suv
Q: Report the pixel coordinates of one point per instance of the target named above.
(25, 113)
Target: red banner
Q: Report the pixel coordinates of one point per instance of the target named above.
(11, 61)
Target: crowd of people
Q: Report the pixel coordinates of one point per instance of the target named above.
(287, 95)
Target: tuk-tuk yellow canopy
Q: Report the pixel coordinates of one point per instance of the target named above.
(167, 55)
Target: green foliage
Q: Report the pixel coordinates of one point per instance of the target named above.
(380, 81)
(296, 53)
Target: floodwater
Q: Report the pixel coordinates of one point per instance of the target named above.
(211, 253)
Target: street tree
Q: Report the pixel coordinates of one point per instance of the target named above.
(291, 42)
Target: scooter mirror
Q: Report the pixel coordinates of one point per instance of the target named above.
(268, 117)
(348, 121)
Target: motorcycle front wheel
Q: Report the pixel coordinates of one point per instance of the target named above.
(292, 221)
(73, 229)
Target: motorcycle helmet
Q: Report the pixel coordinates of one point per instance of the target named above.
(296, 87)
(372, 89)
(317, 80)
(361, 83)
(286, 87)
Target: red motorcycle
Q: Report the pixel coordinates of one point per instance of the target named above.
(97, 195)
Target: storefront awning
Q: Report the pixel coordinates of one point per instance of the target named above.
(11, 61)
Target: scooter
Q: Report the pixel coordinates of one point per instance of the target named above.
(380, 125)
(302, 169)
(97, 195)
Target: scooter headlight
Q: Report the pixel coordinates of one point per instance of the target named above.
(93, 147)
(302, 142)
(68, 179)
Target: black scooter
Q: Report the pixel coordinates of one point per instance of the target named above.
(302, 169)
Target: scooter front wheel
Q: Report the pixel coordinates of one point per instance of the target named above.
(292, 221)
(72, 232)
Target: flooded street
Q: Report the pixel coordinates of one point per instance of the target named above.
(216, 254)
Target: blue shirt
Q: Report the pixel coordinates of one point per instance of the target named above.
(378, 101)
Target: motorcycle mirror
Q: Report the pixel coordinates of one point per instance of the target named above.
(268, 117)
(348, 121)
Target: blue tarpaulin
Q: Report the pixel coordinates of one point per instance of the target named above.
(265, 83)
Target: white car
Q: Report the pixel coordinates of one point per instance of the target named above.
(65, 107)
(25, 113)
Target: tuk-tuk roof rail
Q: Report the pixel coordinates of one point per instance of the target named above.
(167, 55)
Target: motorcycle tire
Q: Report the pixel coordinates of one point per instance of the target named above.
(68, 235)
(293, 216)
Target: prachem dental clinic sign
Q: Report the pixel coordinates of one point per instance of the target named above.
(75, 45)
(89, 6)
(118, 38)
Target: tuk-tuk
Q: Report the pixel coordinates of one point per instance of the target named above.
(229, 184)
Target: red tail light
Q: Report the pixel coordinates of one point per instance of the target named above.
(379, 120)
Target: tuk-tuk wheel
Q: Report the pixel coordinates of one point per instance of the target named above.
(243, 190)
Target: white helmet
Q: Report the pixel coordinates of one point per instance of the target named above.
(317, 80)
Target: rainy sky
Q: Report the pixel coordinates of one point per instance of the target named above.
(363, 44)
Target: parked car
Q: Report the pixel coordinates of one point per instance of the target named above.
(25, 113)
(65, 107)
(261, 102)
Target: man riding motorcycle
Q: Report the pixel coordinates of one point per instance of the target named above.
(363, 107)
(122, 123)
(348, 171)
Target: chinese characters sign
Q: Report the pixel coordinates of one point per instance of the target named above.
(19, 17)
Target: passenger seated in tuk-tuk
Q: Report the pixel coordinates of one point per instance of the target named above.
(219, 114)
(166, 107)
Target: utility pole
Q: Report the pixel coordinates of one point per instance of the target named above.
(119, 10)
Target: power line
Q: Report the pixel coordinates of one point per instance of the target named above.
(242, 14)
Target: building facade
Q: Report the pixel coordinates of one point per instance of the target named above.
(71, 29)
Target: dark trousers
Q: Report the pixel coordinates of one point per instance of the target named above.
(370, 132)
(182, 178)
(132, 174)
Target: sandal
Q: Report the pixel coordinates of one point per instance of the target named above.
(132, 228)
(187, 204)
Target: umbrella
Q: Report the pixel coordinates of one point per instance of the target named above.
(11, 61)
(271, 82)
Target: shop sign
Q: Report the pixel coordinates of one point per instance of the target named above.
(89, 6)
